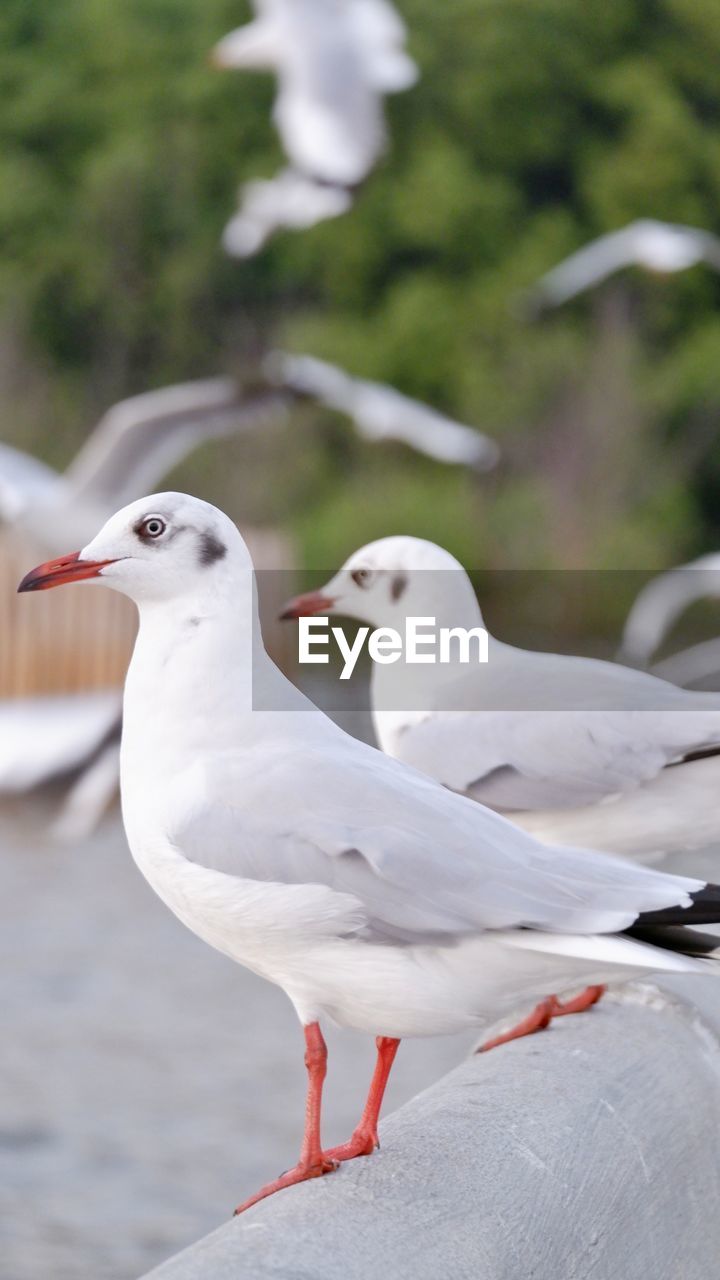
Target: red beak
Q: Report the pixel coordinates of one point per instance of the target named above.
(305, 606)
(55, 573)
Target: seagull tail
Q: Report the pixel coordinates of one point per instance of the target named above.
(678, 938)
(668, 929)
(704, 909)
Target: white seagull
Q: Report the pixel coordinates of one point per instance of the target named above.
(380, 412)
(371, 894)
(334, 61)
(660, 247)
(579, 751)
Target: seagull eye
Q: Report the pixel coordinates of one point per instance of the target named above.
(152, 527)
(361, 577)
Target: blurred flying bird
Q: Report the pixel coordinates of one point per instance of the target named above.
(135, 443)
(382, 413)
(662, 247)
(334, 60)
(580, 752)
(662, 601)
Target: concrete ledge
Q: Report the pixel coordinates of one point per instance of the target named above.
(591, 1150)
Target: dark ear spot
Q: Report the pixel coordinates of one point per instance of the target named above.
(399, 583)
(211, 549)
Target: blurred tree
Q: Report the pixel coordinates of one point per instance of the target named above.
(537, 125)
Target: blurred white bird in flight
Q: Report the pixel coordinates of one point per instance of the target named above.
(661, 247)
(136, 442)
(334, 61)
(371, 894)
(576, 750)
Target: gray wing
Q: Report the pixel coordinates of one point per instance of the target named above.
(382, 413)
(588, 267)
(662, 601)
(140, 439)
(543, 731)
(22, 478)
(699, 663)
(421, 861)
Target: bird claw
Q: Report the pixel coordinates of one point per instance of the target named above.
(362, 1143)
(301, 1173)
(540, 1018)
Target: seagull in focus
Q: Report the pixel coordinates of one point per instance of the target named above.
(382, 413)
(334, 61)
(372, 895)
(660, 247)
(579, 751)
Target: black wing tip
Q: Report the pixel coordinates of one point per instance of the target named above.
(704, 909)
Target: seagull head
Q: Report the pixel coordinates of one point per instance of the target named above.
(392, 579)
(158, 548)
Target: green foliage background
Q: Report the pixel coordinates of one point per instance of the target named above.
(536, 125)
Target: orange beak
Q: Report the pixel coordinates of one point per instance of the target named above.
(305, 606)
(55, 573)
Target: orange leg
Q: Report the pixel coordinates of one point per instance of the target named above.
(365, 1139)
(543, 1014)
(313, 1163)
(535, 1021)
(578, 1004)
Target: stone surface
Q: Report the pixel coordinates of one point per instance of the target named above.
(589, 1151)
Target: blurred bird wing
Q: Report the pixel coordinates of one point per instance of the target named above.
(22, 478)
(256, 46)
(288, 201)
(587, 267)
(381, 33)
(662, 601)
(382, 413)
(408, 859)
(701, 662)
(41, 738)
(139, 440)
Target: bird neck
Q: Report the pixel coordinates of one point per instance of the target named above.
(196, 670)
